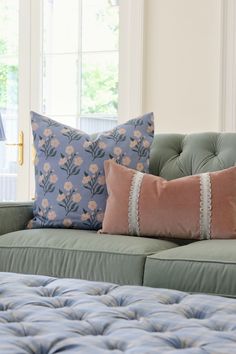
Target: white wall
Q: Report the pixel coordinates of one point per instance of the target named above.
(182, 44)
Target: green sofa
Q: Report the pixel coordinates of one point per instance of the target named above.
(203, 266)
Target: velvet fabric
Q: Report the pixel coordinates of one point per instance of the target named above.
(170, 208)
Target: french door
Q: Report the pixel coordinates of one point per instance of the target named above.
(14, 100)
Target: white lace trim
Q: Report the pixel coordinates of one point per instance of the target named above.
(205, 206)
(133, 211)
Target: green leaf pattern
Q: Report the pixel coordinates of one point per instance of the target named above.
(48, 143)
(70, 162)
(47, 179)
(46, 213)
(72, 134)
(92, 216)
(93, 180)
(95, 149)
(69, 198)
(117, 135)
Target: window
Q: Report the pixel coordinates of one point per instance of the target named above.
(79, 58)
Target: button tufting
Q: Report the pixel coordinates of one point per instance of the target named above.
(5, 307)
(46, 292)
(133, 316)
(74, 316)
(219, 327)
(171, 301)
(179, 343)
(194, 314)
(116, 346)
(20, 331)
(136, 319)
(158, 328)
(99, 292)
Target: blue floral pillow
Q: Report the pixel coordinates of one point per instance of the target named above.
(69, 174)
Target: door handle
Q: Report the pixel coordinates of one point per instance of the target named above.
(20, 146)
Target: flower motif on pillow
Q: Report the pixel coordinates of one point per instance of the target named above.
(69, 174)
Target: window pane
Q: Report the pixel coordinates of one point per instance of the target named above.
(61, 26)
(8, 82)
(80, 62)
(9, 13)
(100, 20)
(99, 83)
(9, 112)
(95, 124)
(66, 119)
(9, 26)
(60, 84)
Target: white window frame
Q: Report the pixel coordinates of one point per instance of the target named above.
(24, 100)
(131, 49)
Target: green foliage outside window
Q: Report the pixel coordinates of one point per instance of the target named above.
(100, 82)
(100, 89)
(8, 85)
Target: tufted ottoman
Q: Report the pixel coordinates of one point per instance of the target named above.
(40, 314)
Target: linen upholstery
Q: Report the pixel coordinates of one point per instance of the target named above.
(77, 254)
(179, 155)
(207, 266)
(14, 216)
(48, 315)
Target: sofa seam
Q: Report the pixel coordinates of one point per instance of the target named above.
(193, 260)
(68, 249)
(16, 206)
(144, 270)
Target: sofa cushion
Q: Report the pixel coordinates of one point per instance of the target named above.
(78, 254)
(208, 266)
(70, 183)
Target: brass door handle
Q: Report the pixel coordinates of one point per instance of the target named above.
(20, 145)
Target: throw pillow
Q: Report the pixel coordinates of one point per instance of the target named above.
(195, 207)
(69, 173)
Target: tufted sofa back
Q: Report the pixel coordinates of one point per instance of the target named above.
(179, 155)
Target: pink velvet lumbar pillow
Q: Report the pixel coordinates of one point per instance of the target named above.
(195, 207)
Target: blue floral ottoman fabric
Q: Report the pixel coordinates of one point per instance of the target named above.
(45, 315)
(69, 173)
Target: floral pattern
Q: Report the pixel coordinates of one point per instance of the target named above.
(140, 145)
(69, 198)
(95, 148)
(135, 122)
(93, 180)
(47, 179)
(70, 162)
(70, 180)
(46, 214)
(71, 134)
(117, 135)
(48, 144)
(92, 216)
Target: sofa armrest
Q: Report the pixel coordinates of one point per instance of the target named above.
(14, 216)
